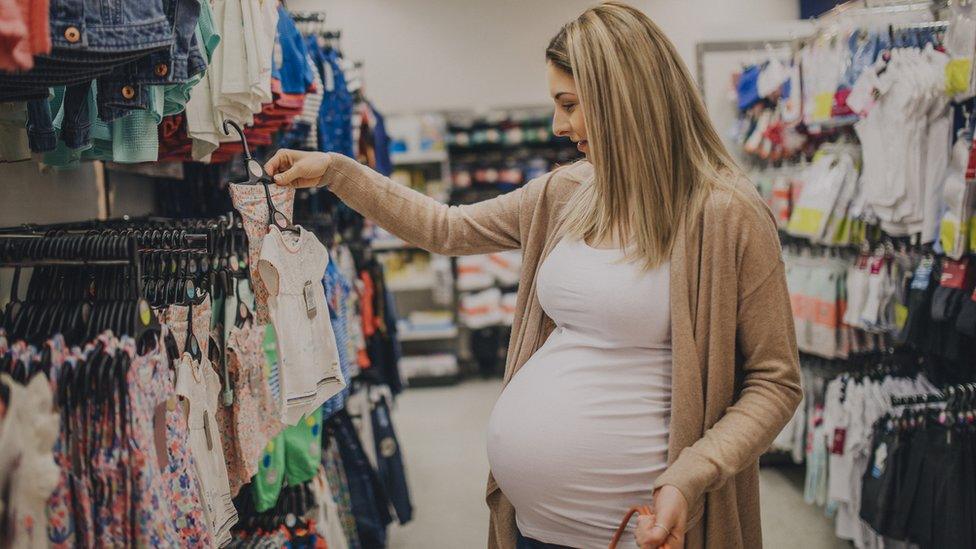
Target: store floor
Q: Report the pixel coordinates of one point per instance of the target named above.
(442, 431)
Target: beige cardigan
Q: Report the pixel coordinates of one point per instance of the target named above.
(735, 375)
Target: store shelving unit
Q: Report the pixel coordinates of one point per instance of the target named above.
(490, 156)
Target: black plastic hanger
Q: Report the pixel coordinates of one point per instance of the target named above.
(256, 175)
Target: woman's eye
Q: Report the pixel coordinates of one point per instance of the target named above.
(569, 107)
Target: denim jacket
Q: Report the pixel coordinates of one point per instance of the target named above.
(109, 25)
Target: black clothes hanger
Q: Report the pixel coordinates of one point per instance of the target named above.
(256, 175)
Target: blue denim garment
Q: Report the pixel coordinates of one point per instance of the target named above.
(76, 116)
(40, 126)
(337, 291)
(389, 462)
(335, 114)
(294, 72)
(370, 506)
(165, 66)
(110, 25)
(381, 142)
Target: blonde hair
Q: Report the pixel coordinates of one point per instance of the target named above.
(655, 152)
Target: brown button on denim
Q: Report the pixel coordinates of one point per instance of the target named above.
(72, 34)
(128, 92)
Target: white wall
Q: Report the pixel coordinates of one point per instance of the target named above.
(463, 54)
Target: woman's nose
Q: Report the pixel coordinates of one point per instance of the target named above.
(560, 125)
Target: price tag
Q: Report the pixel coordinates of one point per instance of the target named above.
(309, 299)
(840, 435)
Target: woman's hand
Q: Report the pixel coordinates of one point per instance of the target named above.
(299, 169)
(666, 527)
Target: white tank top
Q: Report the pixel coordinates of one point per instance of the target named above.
(581, 432)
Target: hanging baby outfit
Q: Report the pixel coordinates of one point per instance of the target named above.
(28, 474)
(292, 269)
(252, 203)
(199, 384)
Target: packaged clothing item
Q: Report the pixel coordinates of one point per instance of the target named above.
(199, 385)
(291, 268)
(825, 196)
(474, 273)
(505, 267)
(251, 202)
(748, 87)
(481, 309)
(960, 44)
(959, 200)
(28, 473)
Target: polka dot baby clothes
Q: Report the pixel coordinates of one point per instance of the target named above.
(292, 267)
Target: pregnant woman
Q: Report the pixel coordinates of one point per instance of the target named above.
(652, 358)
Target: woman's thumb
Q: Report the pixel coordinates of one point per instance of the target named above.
(286, 177)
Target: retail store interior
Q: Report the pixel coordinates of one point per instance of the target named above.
(157, 388)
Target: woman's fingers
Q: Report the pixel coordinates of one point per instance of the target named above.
(278, 162)
(648, 534)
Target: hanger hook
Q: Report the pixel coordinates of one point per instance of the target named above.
(240, 132)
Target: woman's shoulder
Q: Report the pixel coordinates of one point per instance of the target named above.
(565, 177)
(735, 213)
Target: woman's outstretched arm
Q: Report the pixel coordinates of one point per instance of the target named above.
(485, 227)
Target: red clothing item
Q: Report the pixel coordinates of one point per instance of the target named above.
(370, 323)
(24, 33)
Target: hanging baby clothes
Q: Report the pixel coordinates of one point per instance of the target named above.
(28, 474)
(252, 203)
(292, 267)
(242, 428)
(327, 523)
(199, 385)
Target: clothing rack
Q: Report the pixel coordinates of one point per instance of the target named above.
(866, 7)
(963, 393)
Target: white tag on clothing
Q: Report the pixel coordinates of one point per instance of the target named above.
(309, 299)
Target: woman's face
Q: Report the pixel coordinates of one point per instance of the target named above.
(568, 121)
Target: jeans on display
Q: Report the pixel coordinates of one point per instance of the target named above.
(370, 506)
(389, 462)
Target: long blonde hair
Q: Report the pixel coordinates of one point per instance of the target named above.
(655, 152)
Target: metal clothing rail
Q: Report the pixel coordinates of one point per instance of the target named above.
(867, 7)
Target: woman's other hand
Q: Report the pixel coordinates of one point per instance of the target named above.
(666, 527)
(299, 169)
